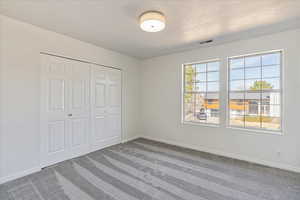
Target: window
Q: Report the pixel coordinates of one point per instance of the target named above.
(255, 91)
(201, 92)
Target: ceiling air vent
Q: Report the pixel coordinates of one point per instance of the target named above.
(205, 42)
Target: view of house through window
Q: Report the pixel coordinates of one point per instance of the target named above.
(255, 91)
(201, 93)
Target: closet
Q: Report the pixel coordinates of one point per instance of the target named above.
(80, 108)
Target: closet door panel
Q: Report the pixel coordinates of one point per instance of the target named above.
(79, 111)
(114, 103)
(54, 100)
(99, 103)
(114, 125)
(106, 102)
(100, 94)
(56, 135)
(65, 109)
(100, 128)
(79, 129)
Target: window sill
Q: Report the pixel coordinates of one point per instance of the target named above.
(256, 131)
(200, 124)
(245, 130)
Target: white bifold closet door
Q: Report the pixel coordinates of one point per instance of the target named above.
(65, 124)
(106, 107)
(72, 105)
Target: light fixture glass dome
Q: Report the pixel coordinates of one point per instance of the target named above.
(152, 21)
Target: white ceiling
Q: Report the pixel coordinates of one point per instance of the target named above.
(113, 24)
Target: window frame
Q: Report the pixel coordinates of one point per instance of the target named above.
(183, 121)
(253, 129)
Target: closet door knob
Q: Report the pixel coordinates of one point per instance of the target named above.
(70, 115)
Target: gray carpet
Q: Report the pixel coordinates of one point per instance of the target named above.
(144, 170)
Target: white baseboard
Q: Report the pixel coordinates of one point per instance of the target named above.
(130, 139)
(19, 175)
(198, 148)
(37, 169)
(230, 155)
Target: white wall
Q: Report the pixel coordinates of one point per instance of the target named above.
(20, 45)
(160, 88)
(161, 104)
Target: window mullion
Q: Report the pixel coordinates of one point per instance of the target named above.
(205, 97)
(261, 89)
(244, 113)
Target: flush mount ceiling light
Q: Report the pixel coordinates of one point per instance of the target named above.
(152, 21)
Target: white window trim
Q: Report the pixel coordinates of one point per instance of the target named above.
(182, 94)
(282, 89)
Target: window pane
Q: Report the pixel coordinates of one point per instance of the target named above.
(271, 98)
(271, 83)
(236, 74)
(252, 108)
(188, 112)
(236, 103)
(253, 61)
(253, 85)
(189, 77)
(252, 97)
(236, 120)
(271, 110)
(271, 59)
(201, 115)
(189, 86)
(271, 71)
(189, 104)
(212, 102)
(237, 85)
(214, 96)
(188, 98)
(200, 77)
(200, 87)
(265, 109)
(212, 107)
(253, 73)
(252, 121)
(189, 68)
(213, 117)
(252, 103)
(200, 111)
(199, 100)
(236, 63)
(212, 86)
(213, 66)
(271, 123)
(200, 67)
(212, 76)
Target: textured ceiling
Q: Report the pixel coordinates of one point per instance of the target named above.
(113, 24)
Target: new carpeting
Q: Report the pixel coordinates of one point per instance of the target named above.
(147, 170)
